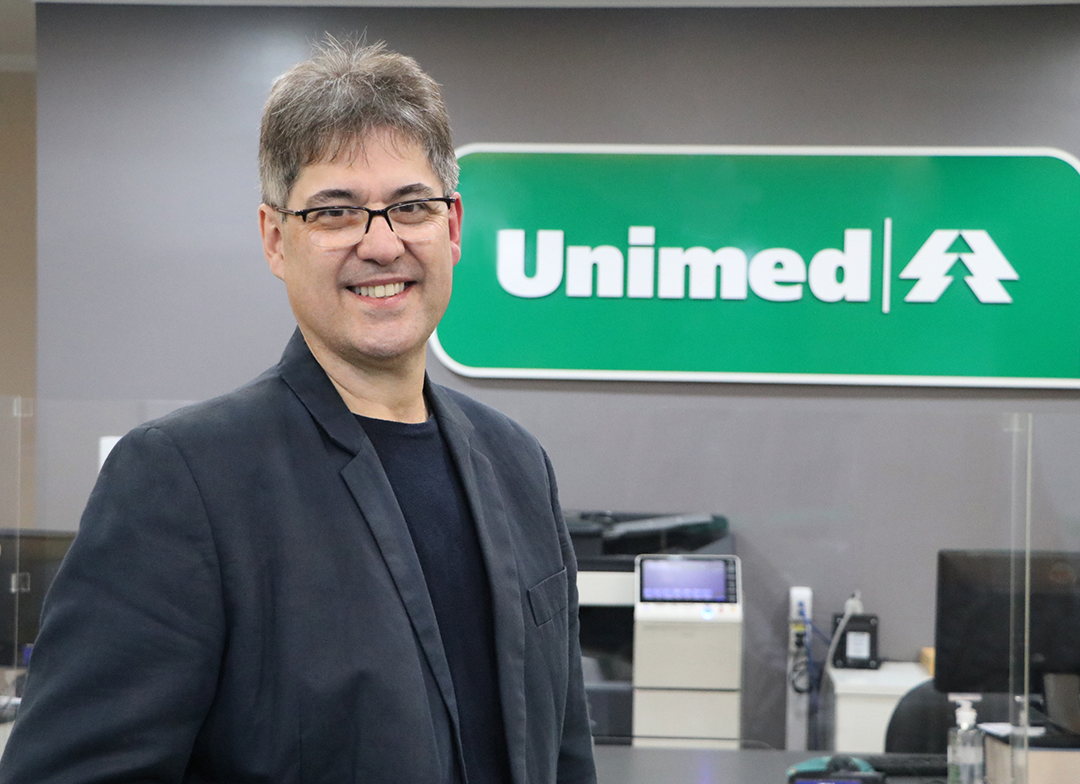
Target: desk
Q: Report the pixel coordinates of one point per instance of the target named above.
(861, 702)
(632, 765)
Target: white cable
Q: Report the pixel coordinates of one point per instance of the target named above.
(852, 606)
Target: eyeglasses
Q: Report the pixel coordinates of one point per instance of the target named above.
(415, 220)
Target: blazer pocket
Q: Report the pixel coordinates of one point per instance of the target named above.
(548, 597)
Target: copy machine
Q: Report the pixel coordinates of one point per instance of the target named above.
(661, 627)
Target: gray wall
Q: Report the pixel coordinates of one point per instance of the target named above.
(152, 287)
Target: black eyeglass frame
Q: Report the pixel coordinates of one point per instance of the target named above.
(449, 201)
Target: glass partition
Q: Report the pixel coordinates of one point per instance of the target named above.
(16, 510)
(1044, 744)
(1015, 772)
(13, 411)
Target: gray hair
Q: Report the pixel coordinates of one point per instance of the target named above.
(322, 108)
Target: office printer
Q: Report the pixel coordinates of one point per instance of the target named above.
(607, 544)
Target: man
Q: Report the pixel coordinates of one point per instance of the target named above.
(340, 572)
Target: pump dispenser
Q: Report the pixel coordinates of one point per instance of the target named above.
(966, 756)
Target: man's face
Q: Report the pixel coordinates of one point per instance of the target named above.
(374, 304)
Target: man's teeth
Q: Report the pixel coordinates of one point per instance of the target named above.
(380, 292)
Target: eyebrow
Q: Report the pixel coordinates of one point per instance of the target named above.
(344, 196)
(331, 196)
(417, 189)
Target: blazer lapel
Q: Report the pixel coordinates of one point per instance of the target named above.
(497, 545)
(371, 490)
(367, 482)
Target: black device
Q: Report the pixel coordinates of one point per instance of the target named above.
(858, 644)
(909, 764)
(607, 536)
(980, 625)
(29, 560)
(838, 769)
(840, 777)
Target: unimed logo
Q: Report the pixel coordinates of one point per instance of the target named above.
(894, 266)
(644, 271)
(986, 265)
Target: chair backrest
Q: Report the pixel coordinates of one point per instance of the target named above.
(921, 720)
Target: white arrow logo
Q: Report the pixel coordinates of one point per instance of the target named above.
(986, 263)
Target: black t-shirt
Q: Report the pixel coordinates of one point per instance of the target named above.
(432, 499)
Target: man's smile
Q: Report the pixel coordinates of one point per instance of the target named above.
(380, 291)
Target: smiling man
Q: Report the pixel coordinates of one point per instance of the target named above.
(368, 286)
(340, 572)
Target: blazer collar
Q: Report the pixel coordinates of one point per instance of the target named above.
(309, 382)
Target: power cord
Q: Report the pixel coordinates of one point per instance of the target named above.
(801, 678)
(805, 676)
(853, 606)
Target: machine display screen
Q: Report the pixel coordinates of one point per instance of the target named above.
(688, 580)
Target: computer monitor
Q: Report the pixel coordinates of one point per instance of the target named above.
(29, 560)
(983, 620)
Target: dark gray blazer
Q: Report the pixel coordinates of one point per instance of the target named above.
(243, 603)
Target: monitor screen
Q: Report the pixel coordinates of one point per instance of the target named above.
(973, 637)
(675, 579)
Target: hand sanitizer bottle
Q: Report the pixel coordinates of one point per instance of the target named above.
(965, 756)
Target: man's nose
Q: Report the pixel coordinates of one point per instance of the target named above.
(379, 244)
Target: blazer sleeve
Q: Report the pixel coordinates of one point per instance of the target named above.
(576, 765)
(132, 634)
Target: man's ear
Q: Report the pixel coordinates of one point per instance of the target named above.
(270, 229)
(455, 228)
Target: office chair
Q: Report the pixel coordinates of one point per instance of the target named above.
(921, 720)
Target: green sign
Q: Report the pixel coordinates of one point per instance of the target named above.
(954, 267)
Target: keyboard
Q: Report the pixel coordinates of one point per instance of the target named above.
(907, 764)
